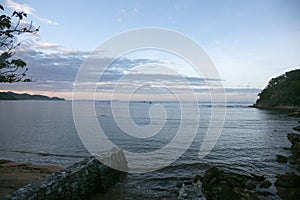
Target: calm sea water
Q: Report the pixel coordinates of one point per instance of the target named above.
(44, 132)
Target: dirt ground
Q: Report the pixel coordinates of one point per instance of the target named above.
(14, 175)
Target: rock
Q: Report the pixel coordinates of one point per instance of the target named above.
(250, 184)
(234, 183)
(218, 184)
(297, 128)
(294, 160)
(288, 193)
(236, 180)
(296, 149)
(250, 196)
(76, 184)
(265, 184)
(281, 159)
(288, 180)
(264, 193)
(257, 177)
(294, 114)
(179, 184)
(197, 178)
(293, 138)
(211, 176)
(187, 182)
(227, 193)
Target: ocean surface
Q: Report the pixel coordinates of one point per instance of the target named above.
(44, 132)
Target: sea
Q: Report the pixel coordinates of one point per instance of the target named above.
(250, 139)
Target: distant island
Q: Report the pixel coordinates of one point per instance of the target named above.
(25, 96)
(281, 92)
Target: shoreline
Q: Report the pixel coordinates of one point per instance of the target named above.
(14, 175)
(282, 107)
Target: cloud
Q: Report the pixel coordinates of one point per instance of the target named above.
(125, 13)
(55, 69)
(46, 45)
(20, 7)
(46, 21)
(29, 10)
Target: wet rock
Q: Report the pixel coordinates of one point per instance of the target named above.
(293, 138)
(179, 184)
(250, 196)
(233, 182)
(265, 184)
(297, 128)
(294, 114)
(188, 182)
(263, 193)
(295, 160)
(250, 184)
(191, 191)
(227, 192)
(257, 177)
(281, 159)
(211, 176)
(197, 178)
(296, 149)
(288, 180)
(218, 184)
(288, 193)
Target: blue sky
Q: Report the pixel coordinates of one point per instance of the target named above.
(249, 41)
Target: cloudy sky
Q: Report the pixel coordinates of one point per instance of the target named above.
(248, 41)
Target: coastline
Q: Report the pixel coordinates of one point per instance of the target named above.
(14, 175)
(281, 107)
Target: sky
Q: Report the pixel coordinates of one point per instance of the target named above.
(249, 42)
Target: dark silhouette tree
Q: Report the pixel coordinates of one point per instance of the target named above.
(12, 70)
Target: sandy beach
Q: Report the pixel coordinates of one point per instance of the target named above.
(14, 175)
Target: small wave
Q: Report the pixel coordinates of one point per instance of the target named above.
(45, 154)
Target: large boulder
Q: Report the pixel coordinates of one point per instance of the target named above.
(288, 186)
(281, 159)
(288, 193)
(297, 128)
(217, 184)
(293, 138)
(296, 149)
(288, 180)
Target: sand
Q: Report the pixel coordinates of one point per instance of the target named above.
(14, 175)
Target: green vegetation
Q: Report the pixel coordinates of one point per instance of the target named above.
(15, 96)
(282, 91)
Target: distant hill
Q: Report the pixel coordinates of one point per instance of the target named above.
(15, 96)
(281, 92)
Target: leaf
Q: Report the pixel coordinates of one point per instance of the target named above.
(4, 56)
(19, 63)
(1, 7)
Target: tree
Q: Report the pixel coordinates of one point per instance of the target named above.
(283, 90)
(12, 70)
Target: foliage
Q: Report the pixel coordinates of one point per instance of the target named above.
(283, 90)
(12, 70)
(15, 96)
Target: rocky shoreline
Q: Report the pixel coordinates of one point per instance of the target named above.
(218, 184)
